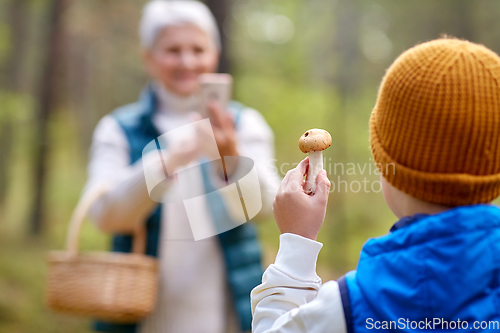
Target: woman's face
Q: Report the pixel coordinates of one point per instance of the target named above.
(179, 55)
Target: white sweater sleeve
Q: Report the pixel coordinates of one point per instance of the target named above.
(127, 202)
(291, 298)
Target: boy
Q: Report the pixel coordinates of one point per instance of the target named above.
(436, 123)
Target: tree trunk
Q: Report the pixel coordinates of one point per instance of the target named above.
(18, 14)
(346, 82)
(46, 104)
(221, 9)
(11, 82)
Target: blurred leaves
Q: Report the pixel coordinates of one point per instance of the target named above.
(324, 74)
(16, 107)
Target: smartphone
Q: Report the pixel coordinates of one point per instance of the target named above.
(217, 87)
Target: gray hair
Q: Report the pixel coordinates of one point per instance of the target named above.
(158, 14)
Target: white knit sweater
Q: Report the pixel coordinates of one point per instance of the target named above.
(193, 294)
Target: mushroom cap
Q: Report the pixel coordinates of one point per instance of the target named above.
(315, 140)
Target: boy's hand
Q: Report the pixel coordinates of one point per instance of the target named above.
(296, 212)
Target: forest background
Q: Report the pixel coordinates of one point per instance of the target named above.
(64, 64)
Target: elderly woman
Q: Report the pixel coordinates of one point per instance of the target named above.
(204, 285)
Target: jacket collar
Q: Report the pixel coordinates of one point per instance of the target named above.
(406, 221)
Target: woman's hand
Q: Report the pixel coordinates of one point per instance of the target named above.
(296, 212)
(182, 153)
(223, 127)
(225, 137)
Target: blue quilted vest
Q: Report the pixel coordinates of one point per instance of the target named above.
(429, 269)
(240, 245)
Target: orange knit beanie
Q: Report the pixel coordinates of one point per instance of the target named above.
(435, 129)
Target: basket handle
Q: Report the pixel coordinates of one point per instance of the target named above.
(81, 211)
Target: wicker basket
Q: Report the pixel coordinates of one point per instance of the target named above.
(117, 287)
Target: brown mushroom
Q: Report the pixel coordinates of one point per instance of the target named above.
(314, 141)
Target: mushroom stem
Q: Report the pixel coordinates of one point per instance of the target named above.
(315, 166)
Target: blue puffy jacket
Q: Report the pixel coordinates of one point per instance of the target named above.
(432, 271)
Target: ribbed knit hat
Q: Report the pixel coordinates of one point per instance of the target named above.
(435, 129)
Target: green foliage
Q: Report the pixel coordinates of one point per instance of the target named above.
(22, 281)
(22, 259)
(317, 78)
(16, 107)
